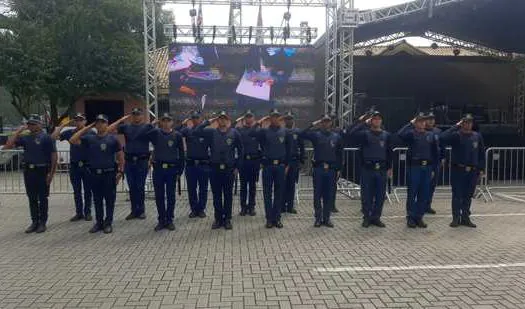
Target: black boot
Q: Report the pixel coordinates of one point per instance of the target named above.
(32, 228)
(228, 225)
(366, 223)
(466, 222)
(378, 223)
(431, 211)
(216, 224)
(420, 223)
(317, 223)
(455, 222)
(252, 212)
(243, 212)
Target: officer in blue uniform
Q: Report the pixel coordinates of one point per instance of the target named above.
(375, 146)
(249, 171)
(422, 158)
(226, 158)
(78, 171)
(40, 162)
(168, 164)
(327, 164)
(468, 163)
(431, 127)
(137, 157)
(274, 141)
(297, 157)
(197, 166)
(106, 164)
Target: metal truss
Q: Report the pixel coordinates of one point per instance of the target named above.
(150, 39)
(330, 69)
(302, 3)
(519, 99)
(378, 15)
(381, 40)
(235, 21)
(483, 50)
(274, 33)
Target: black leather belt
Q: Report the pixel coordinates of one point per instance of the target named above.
(466, 168)
(325, 165)
(222, 166)
(35, 166)
(135, 158)
(197, 162)
(421, 162)
(100, 171)
(165, 165)
(80, 163)
(273, 162)
(376, 166)
(252, 157)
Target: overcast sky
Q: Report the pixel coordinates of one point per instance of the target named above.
(272, 16)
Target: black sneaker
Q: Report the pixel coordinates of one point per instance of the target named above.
(279, 225)
(269, 225)
(131, 216)
(142, 216)
(96, 228)
(216, 225)
(465, 222)
(193, 215)
(334, 210)
(202, 214)
(317, 223)
(41, 228)
(159, 227)
(378, 223)
(88, 217)
(455, 222)
(431, 211)
(228, 225)
(421, 224)
(108, 229)
(252, 212)
(243, 212)
(32, 228)
(366, 223)
(292, 211)
(76, 218)
(328, 223)
(170, 226)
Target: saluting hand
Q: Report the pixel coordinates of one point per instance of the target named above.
(459, 123)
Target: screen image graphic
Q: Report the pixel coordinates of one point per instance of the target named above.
(236, 78)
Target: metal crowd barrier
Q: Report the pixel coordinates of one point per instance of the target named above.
(505, 173)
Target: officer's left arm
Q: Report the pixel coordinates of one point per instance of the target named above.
(54, 160)
(389, 153)
(240, 150)
(182, 154)
(302, 152)
(288, 148)
(120, 160)
(339, 156)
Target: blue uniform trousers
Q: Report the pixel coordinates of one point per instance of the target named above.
(291, 180)
(136, 173)
(249, 174)
(79, 177)
(164, 183)
(418, 191)
(324, 181)
(37, 192)
(197, 175)
(463, 188)
(104, 188)
(373, 192)
(222, 188)
(433, 183)
(273, 190)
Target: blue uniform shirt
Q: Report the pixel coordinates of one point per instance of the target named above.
(76, 152)
(467, 148)
(197, 146)
(223, 145)
(328, 146)
(37, 148)
(169, 147)
(422, 146)
(137, 142)
(101, 150)
(249, 143)
(375, 146)
(442, 148)
(274, 142)
(296, 144)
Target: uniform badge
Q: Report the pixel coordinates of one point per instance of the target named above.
(475, 145)
(37, 141)
(103, 147)
(332, 143)
(201, 139)
(295, 136)
(382, 144)
(229, 141)
(430, 138)
(170, 143)
(281, 139)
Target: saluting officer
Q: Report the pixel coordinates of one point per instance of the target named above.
(297, 156)
(226, 157)
(274, 142)
(197, 166)
(422, 156)
(327, 164)
(137, 157)
(106, 164)
(40, 162)
(468, 163)
(78, 170)
(249, 171)
(431, 127)
(375, 145)
(168, 164)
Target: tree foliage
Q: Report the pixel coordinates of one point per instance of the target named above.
(60, 50)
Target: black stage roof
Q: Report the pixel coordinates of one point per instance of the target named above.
(499, 24)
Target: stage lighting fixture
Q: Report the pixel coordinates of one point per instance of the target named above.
(234, 35)
(456, 51)
(193, 12)
(434, 46)
(213, 34)
(369, 53)
(250, 34)
(271, 34)
(174, 33)
(308, 35)
(286, 33)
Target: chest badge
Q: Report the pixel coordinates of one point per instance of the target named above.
(475, 145)
(430, 138)
(229, 141)
(103, 147)
(382, 144)
(332, 143)
(170, 143)
(201, 139)
(281, 139)
(295, 136)
(37, 141)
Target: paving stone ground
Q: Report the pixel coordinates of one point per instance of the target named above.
(252, 267)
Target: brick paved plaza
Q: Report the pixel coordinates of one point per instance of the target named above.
(252, 267)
